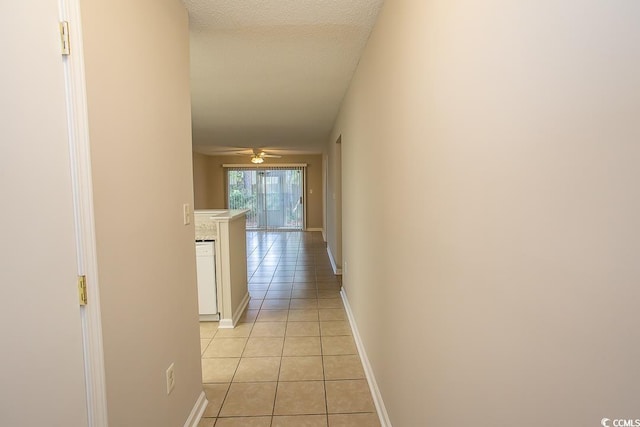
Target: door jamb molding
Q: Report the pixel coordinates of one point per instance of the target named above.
(87, 261)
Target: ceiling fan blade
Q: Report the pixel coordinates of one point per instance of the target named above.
(275, 156)
(232, 152)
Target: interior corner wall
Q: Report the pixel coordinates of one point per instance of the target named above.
(493, 270)
(200, 181)
(137, 71)
(217, 196)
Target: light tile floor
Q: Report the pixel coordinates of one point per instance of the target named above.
(292, 360)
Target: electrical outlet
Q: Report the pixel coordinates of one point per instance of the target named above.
(171, 379)
(186, 213)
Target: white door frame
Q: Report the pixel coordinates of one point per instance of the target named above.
(80, 156)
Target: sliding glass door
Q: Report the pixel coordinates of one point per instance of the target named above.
(273, 195)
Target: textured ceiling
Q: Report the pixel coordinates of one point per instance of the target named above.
(272, 73)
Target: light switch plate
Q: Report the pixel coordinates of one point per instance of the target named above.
(186, 213)
(171, 379)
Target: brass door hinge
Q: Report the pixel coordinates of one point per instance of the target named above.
(82, 290)
(64, 38)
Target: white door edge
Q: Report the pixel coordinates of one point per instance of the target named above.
(79, 148)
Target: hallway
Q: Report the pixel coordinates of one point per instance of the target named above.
(292, 360)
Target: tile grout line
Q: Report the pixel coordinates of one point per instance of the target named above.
(311, 265)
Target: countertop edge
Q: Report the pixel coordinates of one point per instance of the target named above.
(222, 214)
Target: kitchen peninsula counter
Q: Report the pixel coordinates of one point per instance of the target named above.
(227, 229)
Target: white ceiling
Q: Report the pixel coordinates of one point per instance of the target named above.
(272, 73)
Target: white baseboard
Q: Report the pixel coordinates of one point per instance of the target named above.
(336, 270)
(231, 323)
(197, 411)
(241, 308)
(225, 324)
(210, 317)
(371, 379)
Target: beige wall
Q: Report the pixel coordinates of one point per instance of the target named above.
(200, 180)
(500, 284)
(211, 192)
(137, 58)
(237, 265)
(209, 182)
(41, 356)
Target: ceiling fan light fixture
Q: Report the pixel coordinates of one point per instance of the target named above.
(256, 159)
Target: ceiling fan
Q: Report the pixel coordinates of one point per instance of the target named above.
(256, 155)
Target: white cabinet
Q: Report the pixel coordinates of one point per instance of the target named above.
(206, 275)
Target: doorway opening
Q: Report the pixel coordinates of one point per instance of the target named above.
(274, 196)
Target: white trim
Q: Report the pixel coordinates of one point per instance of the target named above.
(368, 370)
(79, 146)
(336, 270)
(241, 308)
(325, 185)
(315, 229)
(265, 165)
(225, 324)
(304, 199)
(231, 323)
(197, 411)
